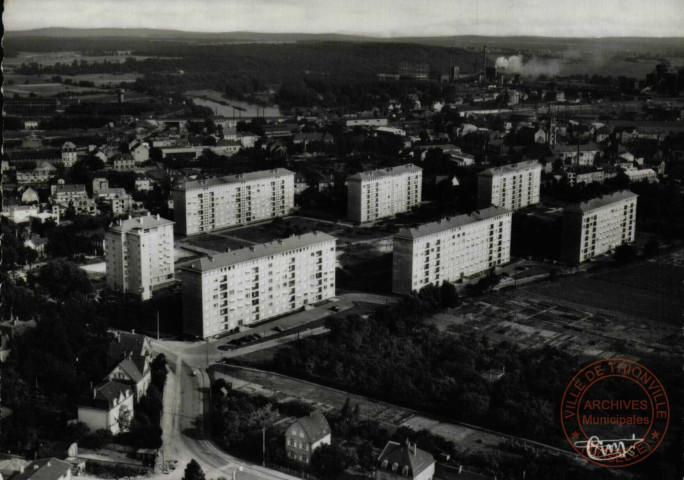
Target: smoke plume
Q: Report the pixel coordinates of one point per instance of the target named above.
(532, 68)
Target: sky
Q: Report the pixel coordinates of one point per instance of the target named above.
(384, 18)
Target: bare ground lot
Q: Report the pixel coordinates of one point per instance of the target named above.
(647, 290)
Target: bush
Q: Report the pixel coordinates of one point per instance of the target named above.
(97, 439)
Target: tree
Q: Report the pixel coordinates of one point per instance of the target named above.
(449, 295)
(328, 461)
(76, 431)
(193, 471)
(124, 419)
(62, 278)
(625, 254)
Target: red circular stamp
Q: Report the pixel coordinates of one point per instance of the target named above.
(615, 412)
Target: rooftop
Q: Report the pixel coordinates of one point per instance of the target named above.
(44, 469)
(137, 223)
(408, 455)
(449, 223)
(315, 425)
(257, 251)
(386, 172)
(513, 167)
(240, 178)
(601, 201)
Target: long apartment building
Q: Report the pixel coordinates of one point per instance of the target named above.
(382, 193)
(139, 255)
(204, 205)
(598, 226)
(509, 186)
(249, 285)
(450, 249)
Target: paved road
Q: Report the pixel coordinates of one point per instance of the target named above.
(184, 436)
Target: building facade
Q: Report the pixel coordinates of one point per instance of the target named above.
(376, 194)
(598, 226)
(402, 462)
(204, 205)
(510, 186)
(139, 255)
(450, 249)
(252, 284)
(305, 435)
(103, 407)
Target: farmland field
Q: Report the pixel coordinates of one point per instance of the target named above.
(650, 291)
(64, 57)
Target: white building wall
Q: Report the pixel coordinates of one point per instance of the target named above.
(452, 254)
(383, 195)
(512, 189)
(219, 206)
(219, 300)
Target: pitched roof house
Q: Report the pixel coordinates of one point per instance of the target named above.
(305, 435)
(135, 371)
(399, 461)
(45, 469)
(101, 408)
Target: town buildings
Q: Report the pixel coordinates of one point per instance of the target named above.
(101, 408)
(451, 249)
(598, 226)
(249, 285)
(45, 469)
(205, 205)
(305, 435)
(401, 462)
(382, 193)
(510, 186)
(139, 255)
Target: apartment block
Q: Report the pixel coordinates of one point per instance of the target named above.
(249, 285)
(510, 186)
(598, 226)
(382, 193)
(451, 249)
(139, 255)
(204, 205)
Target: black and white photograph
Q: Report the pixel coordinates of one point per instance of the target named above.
(342, 240)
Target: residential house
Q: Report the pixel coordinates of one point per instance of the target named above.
(36, 243)
(123, 162)
(41, 174)
(100, 183)
(103, 407)
(45, 469)
(583, 154)
(305, 435)
(140, 152)
(407, 461)
(127, 344)
(143, 184)
(134, 370)
(62, 193)
(29, 196)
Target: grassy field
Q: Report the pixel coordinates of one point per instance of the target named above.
(216, 242)
(646, 290)
(40, 85)
(105, 79)
(63, 57)
(268, 232)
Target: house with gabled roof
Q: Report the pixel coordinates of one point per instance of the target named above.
(101, 408)
(127, 344)
(399, 461)
(305, 435)
(45, 469)
(135, 371)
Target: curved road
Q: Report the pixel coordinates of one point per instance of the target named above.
(184, 438)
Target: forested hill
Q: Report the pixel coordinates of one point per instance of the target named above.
(329, 59)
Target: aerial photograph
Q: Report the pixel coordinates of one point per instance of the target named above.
(342, 240)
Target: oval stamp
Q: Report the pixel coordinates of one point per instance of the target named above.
(615, 412)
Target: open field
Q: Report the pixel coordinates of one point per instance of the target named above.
(41, 85)
(649, 291)
(53, 58)
(105, 79)
(266, 232)
(216, 242)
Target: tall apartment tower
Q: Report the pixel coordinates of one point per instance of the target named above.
(451, 249)
(139, 255)
(510, 186)
(598, 226)
(252, 284)
(382, 193)
(201, 206)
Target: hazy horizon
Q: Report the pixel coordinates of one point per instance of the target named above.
(372, 18)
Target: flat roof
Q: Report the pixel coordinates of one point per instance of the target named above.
(599, 202)
(253, 252)
(451, 222)
(513, 167)
(386, 172)
(136, 223)
(240, 178)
